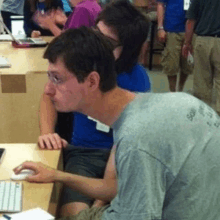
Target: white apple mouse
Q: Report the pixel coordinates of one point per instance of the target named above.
(22, 175)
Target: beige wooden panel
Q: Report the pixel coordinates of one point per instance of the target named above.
(34, 195)
(19, 112)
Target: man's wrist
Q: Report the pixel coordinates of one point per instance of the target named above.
(160, 28)
(57, 175)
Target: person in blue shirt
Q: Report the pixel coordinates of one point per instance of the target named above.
(171, 30)
(126, 29)
(31, 7)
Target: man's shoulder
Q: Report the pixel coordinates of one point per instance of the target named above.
(160, 106)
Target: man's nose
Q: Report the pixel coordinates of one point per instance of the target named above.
(49, 89)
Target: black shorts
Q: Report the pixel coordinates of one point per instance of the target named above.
(85, 162)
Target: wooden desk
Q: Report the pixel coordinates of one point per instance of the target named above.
(21, 87)
(34, 195)
(24, 60)
(19, 111)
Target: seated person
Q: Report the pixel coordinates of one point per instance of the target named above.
(84, 14)
(126, 28)
(31, 7)
(165, 163)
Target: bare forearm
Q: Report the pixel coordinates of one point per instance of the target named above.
(95, 188)
(160, 14)
(48, 115)
(190, 24)
(55, 30)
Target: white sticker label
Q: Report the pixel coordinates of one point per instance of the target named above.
(100, 126)
(186, 5)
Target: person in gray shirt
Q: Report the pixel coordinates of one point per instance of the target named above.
(9, 8)
(165, 161)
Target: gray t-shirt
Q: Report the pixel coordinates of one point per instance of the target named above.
(167, 160)
(207, 16)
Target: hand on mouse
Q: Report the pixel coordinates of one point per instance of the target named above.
(51, 141)
(42, 173)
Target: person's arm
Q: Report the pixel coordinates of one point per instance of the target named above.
(60, 17)
(27, 19)
(48, 117)
(187, 47)
(46, 21)
(104, 189)
(192, 16)
(160, 20)
(110, 173)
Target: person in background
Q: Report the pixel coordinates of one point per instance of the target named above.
(84, 14)
(9, 8)
(204, 20)
(42, 7)
(151, 12)
(67, 8)
(165, 159)
(126, 28)
(171, 30)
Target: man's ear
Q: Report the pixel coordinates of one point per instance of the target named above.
(93, 80)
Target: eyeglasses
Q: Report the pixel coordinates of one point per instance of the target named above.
(113, 42)
(54, 78)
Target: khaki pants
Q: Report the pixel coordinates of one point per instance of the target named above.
(172, 59)
(87, 214)
(207, 69)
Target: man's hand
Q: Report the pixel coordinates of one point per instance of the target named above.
(99, 203)
(161, 35)
(35, 34)
(186, 49)
(45, 20)
(51, 141)
(58, 16)
(42, 173)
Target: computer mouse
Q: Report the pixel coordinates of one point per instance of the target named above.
(22, 175)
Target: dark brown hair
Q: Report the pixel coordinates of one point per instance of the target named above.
(132, 29)
(84, 50)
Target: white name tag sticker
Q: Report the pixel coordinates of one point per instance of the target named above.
(186, 5)
(100, 126)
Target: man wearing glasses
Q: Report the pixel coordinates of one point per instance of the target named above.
(165, 159)
(126, 29)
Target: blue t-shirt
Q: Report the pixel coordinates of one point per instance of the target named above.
(66, 6)
(175, 16)
(85, 132)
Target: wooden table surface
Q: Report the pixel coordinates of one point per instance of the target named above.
(23, 60)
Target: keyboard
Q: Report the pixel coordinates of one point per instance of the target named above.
(10, 196)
